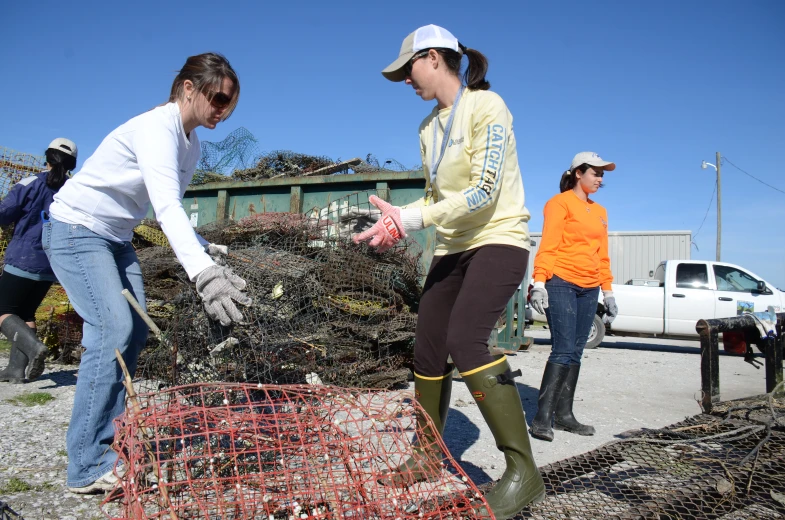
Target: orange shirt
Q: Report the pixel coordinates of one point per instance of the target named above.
(574, 243)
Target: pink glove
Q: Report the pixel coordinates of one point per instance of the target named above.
(387, 231)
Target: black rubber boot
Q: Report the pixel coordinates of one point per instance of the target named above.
(15, 371)
(551, 388)
(564, 418)
(495, 393)
(425, 464)
(24, 339)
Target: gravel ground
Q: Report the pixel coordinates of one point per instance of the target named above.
(625, 384)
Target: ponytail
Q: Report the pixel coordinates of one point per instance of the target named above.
(569, 179)
(474, 76)
(60, 164)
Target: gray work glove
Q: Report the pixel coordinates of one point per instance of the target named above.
(611, 310)
(218, 286)
(539, 297)
(355, 220)
(217, 253)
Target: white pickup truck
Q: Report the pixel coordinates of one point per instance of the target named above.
(681, 293)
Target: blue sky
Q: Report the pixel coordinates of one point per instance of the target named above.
(656, 87)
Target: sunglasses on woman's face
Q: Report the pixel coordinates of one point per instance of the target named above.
(407, 69)
(219, 100)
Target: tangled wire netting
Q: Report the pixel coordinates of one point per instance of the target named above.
(324, 309)
(239, 451)
(729, 465)
(238, 158)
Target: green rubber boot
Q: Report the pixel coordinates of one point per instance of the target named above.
(494, 390)
(433, 394)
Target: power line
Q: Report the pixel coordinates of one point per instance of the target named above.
(757, 179)
(711, 199)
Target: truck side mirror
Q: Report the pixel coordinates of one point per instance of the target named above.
(762, 287)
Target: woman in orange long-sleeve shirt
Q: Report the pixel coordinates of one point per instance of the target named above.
(570, 268)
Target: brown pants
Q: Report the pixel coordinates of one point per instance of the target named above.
(464, 295)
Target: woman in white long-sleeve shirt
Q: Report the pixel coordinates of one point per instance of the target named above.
(149, 160)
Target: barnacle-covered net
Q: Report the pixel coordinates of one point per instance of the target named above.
(242, 451)
(729, 465)
(324, 309)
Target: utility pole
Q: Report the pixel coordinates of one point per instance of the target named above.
(719, 209)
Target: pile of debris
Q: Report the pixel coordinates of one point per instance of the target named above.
(238, 158)
(324, 309)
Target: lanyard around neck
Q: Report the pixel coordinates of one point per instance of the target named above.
(437, 160)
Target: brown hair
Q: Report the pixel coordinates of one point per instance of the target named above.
(207, 72)
(474, 76)
(569, 179)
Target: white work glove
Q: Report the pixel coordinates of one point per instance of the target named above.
(217, 249)
(538, 298)
(218, 286)
(395, 224)
(217, 252)
(611, 310)
(356, 220)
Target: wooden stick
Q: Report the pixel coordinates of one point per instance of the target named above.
(138, 308)
(137, 413)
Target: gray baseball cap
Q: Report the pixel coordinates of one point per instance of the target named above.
(426, 37)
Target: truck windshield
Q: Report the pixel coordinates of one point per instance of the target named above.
(732, 279)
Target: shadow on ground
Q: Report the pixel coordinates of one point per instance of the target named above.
(60, 378)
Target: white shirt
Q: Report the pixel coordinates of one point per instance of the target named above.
(149, 159)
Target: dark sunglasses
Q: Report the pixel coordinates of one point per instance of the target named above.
(407, 69)
(219, 99)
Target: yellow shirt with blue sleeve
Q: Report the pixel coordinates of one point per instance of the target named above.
(477, 195)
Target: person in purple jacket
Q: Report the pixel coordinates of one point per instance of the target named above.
(27, 276)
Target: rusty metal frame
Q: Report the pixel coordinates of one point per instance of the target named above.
(709, 331)
(511, 338)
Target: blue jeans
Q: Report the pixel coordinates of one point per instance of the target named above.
(94, 270)
(570, 313)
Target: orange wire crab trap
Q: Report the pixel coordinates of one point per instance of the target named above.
(242, 451)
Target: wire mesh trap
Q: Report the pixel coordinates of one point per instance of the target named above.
(240, 451)
(239, 158)
(728, 465)
(324, 309)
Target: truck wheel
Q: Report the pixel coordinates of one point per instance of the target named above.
(596, 334)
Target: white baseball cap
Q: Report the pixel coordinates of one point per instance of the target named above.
(64, 145)
(592, 159)
(426, 37)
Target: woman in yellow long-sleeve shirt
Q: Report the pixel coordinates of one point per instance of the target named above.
(570, 268)
(476, 204)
